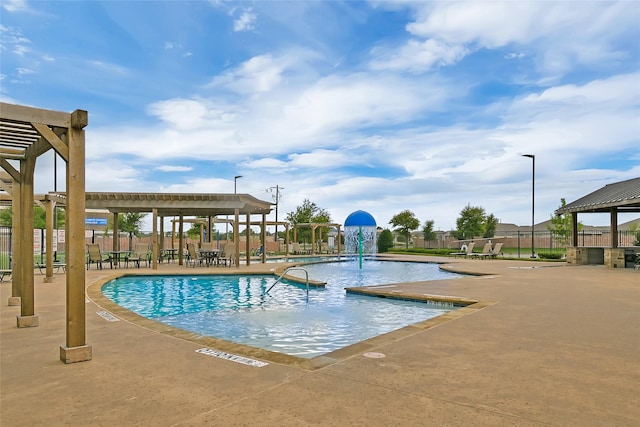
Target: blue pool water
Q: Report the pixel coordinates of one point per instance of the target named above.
(236, 307)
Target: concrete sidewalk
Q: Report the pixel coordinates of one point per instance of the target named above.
(553, 345)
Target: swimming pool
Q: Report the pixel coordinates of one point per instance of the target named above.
(237, 308)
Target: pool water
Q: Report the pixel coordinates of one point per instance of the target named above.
(236, 307)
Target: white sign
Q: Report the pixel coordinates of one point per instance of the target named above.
(61, 236)
(37, 241)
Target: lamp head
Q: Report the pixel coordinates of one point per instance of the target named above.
(237, 176)
(531, 156)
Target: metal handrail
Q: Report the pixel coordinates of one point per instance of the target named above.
(279, 279)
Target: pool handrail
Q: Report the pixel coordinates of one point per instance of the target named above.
(286, 270)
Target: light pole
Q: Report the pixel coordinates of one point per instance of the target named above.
(533, 200)
(235, 188)
(277, 198)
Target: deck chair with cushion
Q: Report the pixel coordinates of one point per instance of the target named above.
(494, 252)
(193, 255)
(485, 251)
(94, 256)
(140, 253)
(226, 254)
(466, 253)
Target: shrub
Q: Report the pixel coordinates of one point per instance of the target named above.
(550, 255)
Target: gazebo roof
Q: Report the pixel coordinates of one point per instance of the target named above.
(623, 195)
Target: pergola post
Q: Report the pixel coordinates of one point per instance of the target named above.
(49, 206)
(236, 235)
(16, 252)
(155, 251)
(24, 261)
(247, 240)
(76, 349)
(263, 239)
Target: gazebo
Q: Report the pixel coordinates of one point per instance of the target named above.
(619, 197)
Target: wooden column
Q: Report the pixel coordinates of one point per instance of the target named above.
(181, 241)
(76, 348)
(24, 262)
(155, 249)
(236, 236)
(574, 229)
(49, 206)
(614, 227)
(16, 276)
(286, 240)
(263, 238)
(247, 241)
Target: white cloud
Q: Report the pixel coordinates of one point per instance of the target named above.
(170, 168)
(246, 21)
(15, 5)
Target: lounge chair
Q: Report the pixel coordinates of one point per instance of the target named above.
(95, 256)
(466, 253)
(485, 251)
(226, 254)
(193, 255)
(4, 273)
(493, 253)
(140, 253)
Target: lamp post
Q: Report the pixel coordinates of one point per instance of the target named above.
(235, 188)
(235, 183)
(533, 200)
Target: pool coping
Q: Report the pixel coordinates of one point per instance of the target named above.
(465, 307)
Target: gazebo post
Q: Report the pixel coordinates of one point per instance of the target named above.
(76, 348)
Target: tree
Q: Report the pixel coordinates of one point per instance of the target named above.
(129, 223)
(39, 217)
(470, 223)
(405, 222)
(427, 231)
(562, 225)
(490, 226)
(306, 213)
(385, 241)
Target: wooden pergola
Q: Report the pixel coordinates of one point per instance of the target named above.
(162, 205)
(25, 134)
(619, 197)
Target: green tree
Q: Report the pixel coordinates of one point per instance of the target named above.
(405, 222)
(562, 225)
(490, 226)
(39, 217)
(308, 212)
(470, 223)
(385, 241)
(635, 229)
(129, 222)
(427, 230)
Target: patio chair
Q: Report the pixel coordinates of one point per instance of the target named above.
(94, 256)
(485, 251)
(226, 254)
(466, 253)
(494, 252)
(140, 253)
(193, 255)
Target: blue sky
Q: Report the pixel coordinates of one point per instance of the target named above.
(380, 106)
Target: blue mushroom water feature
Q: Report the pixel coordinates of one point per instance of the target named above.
(360, 234)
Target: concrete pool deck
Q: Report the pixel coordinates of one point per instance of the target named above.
(552, 345)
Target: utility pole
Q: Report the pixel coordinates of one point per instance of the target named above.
(276, 197)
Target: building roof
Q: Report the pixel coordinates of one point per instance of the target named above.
(623, 195)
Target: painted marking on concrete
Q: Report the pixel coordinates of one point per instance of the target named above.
(107, 316)
(374, 355)
(231, 357)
